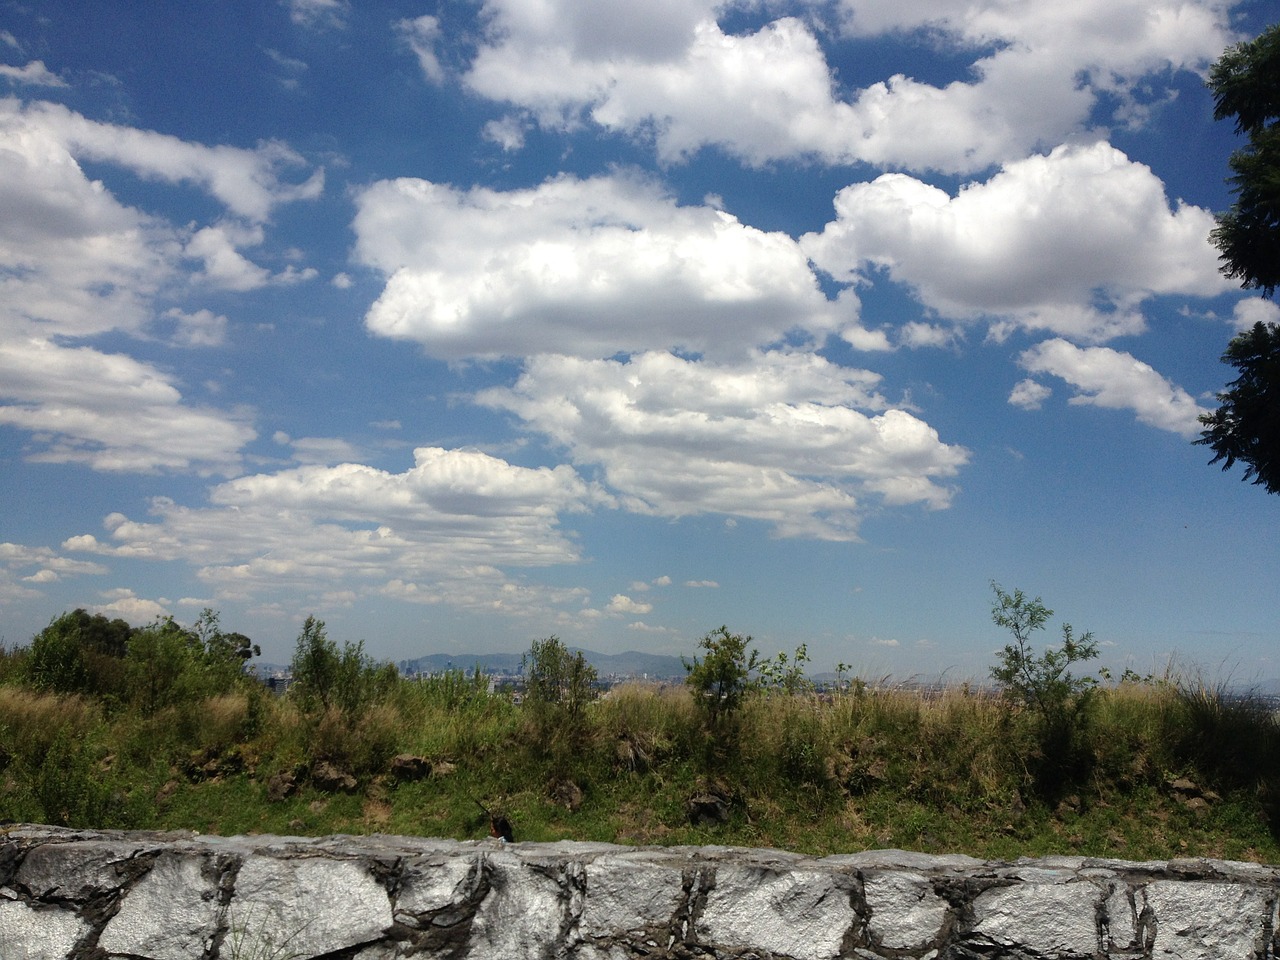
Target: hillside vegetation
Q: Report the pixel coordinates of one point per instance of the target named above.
(103, 725)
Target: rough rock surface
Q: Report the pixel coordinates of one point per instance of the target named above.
(89, 895)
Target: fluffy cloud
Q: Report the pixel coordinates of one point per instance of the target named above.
(780, 438)
(670, 71)
(1072, 242)
(422, 34)
(34, 73)
(111, 412)
(75, 262)
(622, 604)
(1254, 310)
(1115, 380)
(583, 267)
(20, 564)
(249, 182)
(452, 516)
(127, 605)
(1029, 395)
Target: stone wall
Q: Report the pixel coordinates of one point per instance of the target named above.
(93, 895)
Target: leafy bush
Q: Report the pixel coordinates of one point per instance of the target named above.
(558, 687)
(348, 679)
(1044, 683)
(721, 678)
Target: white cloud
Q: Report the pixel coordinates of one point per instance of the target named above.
(701, 584)
(1029, 395)
(1109, 378)
(639, 626)
(111, 412)
(508, 132)
(248, 182)
(670, 72)
(1072, 242)
(917, 335)
(322, 449)
(444, 526)
(225, 268)
(421, 34)
(319, 13)
(16, 556)
(124, 604)
(1253, 310)
(75, 262)
(35, 74)
(620, 603)
(779, 438)
(204, 328)
(584, 267)
(486, 589)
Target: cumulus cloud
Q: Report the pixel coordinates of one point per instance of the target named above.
(124, 604)
(422, 34)
(39, 565)
(454, 516)
(249, 182)
(1254, 310)
(1109, 378)
(668, 70)
(75, 262)
(584, 267)
(621, 603)
(1029, 395)
(111, 412)
(781, 438)
(203, 328)
(1072, 242)
(34, 74)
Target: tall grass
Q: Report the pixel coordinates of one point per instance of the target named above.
(880, 765)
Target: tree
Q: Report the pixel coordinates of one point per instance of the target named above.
(558, 687)
(79, 653)
(326, 677)
(1246, 85)
(164, 666)
(1246, 427)
(1044, 683)
(720, 682)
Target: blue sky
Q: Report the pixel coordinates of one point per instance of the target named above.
(462, 324)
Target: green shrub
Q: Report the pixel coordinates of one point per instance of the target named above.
(348, 679)
(1232, 738)
(720, 681)
(558, 688)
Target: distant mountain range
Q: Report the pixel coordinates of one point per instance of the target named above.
(630, 664)
(655, 666)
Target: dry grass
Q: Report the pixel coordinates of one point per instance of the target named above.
(30, 722)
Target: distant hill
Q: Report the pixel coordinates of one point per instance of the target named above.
(629, 664)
